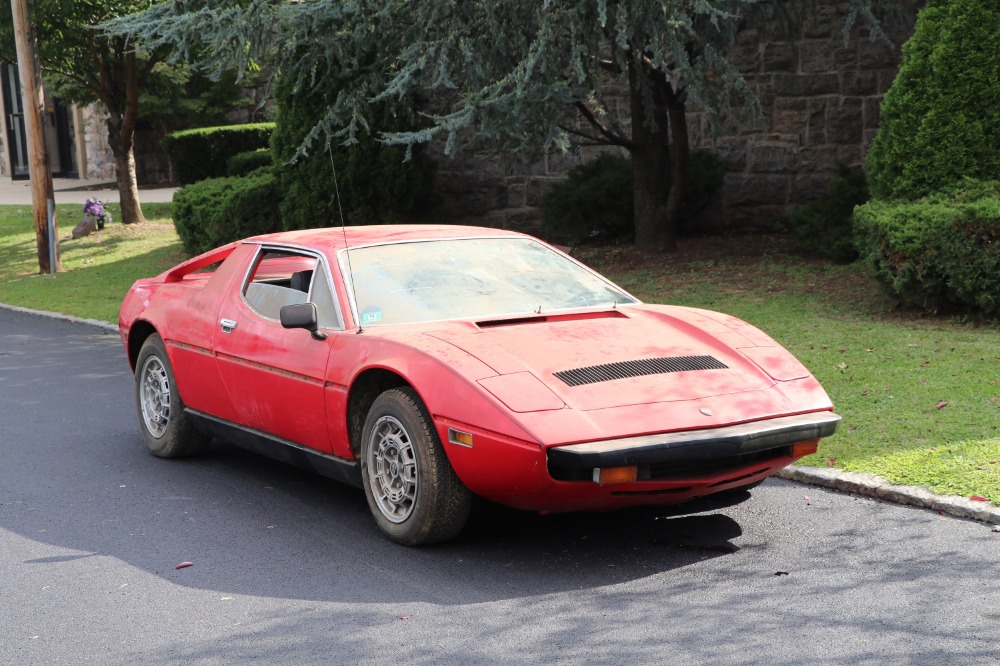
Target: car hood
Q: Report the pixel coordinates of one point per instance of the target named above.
(596, 361)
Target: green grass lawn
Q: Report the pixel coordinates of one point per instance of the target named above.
(97, 269)
(889, 372)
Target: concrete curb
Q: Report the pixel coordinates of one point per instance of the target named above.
(870, 485)
(109, 328)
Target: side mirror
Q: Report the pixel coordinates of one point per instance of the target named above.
(301, 315)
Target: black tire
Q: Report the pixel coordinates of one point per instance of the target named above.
(166, 428)
(412, 490)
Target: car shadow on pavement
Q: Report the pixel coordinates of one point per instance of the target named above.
(329, 527)
(254, 527)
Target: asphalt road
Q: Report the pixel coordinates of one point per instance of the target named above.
(289, 567)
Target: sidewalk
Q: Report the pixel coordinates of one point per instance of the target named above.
(76, 191)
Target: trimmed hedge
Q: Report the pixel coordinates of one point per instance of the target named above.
(940, 120)
(197, 154)
(217, 211)
(242, 164)
(941, 253)
(825, 226)
(596, 200)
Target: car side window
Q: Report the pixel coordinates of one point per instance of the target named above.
(322, 295)
(281, 277)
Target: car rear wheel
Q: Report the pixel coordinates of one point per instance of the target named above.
(166, 429)
(412, 490)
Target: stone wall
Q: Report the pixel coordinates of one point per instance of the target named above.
(820, 97)
(496, 190)
(151, 164)
(100, 161)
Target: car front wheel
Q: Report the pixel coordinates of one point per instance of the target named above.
(412, 490)
(166, 429)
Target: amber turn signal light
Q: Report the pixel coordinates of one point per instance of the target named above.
(800, 449)
(460, 438)
(611, 475)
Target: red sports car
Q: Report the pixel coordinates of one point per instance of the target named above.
(428, 364)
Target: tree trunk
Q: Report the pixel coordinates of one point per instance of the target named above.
(122, 147)
(680, 159)
(654, 230)
(121, 134)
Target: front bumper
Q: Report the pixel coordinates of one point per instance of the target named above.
(695, 445)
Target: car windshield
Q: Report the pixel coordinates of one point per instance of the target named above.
(470, 278)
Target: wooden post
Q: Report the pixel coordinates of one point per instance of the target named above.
(33, 98)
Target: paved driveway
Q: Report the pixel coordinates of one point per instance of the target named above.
(289, 567)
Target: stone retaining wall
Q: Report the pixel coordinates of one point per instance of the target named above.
(820, 96)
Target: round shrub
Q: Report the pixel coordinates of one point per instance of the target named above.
(940, 120)
(217, 211)
(940, 253)
(596, 200)
(244, 163)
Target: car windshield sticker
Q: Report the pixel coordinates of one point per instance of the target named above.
(371, 316)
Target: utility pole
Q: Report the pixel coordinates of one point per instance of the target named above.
(33, 98)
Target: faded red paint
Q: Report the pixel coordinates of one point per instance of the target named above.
(495, 381)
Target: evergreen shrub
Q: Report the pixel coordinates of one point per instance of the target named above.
(826, 226)
(940, 253)
(596, 200)
(940, 120)
(217, 211)
(197, 154)
(377, 184)
(244, 163)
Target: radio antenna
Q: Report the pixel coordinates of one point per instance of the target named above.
(343, 230)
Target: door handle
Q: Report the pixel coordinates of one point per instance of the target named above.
(227, 325)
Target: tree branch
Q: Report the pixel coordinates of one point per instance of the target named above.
(104, 80)
(589, 137)
(609, 66)
(154, 59)
(89, 84)
(613, 137)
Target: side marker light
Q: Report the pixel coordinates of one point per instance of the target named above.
(460, 438)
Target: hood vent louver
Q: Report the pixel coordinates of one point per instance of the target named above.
(647, 366)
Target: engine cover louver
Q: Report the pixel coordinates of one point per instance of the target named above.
(648, 366)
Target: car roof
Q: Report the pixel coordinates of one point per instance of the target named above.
(332, 239)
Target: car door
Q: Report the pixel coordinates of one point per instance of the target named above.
(276, 376)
